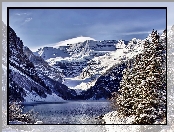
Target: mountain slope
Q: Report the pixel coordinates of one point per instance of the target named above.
(21, 68)
(111, 71)
(106, 84)
(42, 67)
(80, 57)
(87, 62)
(30, 82)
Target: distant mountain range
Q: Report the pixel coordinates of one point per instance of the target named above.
(78, 68)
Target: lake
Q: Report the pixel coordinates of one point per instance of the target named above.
(69, 112)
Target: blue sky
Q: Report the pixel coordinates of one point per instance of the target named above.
(38, 27)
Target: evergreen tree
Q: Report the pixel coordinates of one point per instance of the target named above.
(143, 87)
(16, 114)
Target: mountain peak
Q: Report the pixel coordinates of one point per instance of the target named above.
(73, 41)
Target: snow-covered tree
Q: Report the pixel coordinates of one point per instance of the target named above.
(16, 114)
(143, 87)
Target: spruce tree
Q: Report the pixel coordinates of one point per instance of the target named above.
(143, 87)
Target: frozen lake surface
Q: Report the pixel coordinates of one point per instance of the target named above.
(69, 112)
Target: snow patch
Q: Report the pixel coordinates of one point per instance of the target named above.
(112, 118)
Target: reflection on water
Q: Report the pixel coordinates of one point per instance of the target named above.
(71, 112)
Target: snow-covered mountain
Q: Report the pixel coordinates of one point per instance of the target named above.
(94, 68)
(78, 68)
(62, 49)
(83, 63)
(107, 74)
(72, 58)
(68, 48)
(43, 68)
(30, 77)
(75, 59)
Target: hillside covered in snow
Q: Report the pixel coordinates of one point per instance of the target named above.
(80, 68)
(30, 77)
(93, 70)
(83, 64)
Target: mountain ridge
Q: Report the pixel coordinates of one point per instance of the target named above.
(91, 69)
